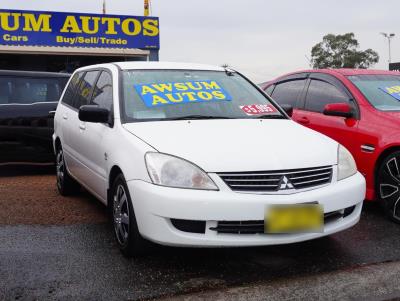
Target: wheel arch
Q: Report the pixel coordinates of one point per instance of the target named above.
(114, 172)
(384, 154)
(57, 144)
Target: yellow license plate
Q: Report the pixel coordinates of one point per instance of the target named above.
(294, 218)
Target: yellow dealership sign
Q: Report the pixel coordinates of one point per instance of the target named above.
(36, 28)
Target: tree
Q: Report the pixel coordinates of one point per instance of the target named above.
(341, 51)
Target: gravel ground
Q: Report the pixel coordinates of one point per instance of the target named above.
(27, 199)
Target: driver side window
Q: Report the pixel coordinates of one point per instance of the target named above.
(103, 91)
(288, 93)
(321, 93)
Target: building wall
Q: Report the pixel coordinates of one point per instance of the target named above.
(59, 63)
(394, 66)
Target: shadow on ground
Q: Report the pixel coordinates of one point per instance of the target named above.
(26, 170)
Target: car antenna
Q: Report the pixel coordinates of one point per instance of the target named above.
(228, 70)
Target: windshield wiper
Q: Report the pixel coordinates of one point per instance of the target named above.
(192, 117)
(269, 117)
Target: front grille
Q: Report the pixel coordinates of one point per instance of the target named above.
(239, 227)
(268, 181)
(257, 227)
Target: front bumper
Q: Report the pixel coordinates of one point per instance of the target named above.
(155, 206)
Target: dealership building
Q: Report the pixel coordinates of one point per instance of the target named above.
(62, 42)
(394, 66)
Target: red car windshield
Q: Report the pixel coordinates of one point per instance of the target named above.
(382, 91)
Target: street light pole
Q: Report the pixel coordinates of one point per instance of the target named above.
(389, 37)
(146, 7)
(104, 7)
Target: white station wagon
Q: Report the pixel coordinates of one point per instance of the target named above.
(196, 155)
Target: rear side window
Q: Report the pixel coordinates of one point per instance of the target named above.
(5, 91)
(27, 90)
(269, 90)
(288, 92)
(71, 89)
(321, 93)
(85, 89)
(103, 91)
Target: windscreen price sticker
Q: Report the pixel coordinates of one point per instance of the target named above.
(258, 109)
(393, 91)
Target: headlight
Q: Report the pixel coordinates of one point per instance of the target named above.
(346, 164)
(167, 170)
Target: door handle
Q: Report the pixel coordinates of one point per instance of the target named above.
(65, 117)
(303, 120)
(82, 127)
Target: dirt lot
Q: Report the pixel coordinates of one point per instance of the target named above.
(27, 198)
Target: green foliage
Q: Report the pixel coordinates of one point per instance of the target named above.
(341, 51)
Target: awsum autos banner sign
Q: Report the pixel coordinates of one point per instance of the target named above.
(37, 28)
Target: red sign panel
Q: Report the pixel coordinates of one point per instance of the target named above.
(258, 109)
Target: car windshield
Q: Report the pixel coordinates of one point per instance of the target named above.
(27, 90)
(382, 91)
(186, 94)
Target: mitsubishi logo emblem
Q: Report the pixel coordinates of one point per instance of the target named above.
(285, 183)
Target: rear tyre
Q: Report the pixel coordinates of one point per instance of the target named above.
(388, 186)
(126, 231)
(66, 185)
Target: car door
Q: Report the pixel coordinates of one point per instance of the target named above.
(93, 150)
(321, 90)
(65, 117)
(289, 91)
(74, 128)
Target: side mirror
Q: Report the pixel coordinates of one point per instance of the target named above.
(288, 109)
(339, 109)
(93, 113)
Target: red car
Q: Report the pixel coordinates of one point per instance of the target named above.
(358, 108)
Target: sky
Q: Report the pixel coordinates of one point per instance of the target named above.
(261, 38)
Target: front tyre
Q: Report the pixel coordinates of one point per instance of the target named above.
(66, 185)
(126, 230)
(388, 186)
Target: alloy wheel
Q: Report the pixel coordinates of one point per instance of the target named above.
(389, 187)
(121, 215)
(60, 168)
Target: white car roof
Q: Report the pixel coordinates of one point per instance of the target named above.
(158, 65)
(167, 65)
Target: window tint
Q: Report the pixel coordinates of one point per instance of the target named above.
(70, 92)
(288, 92)
(102, 93)
(269, 89)
(85, 89)
(321, 93)
(26, 90)
(5, 91)
(378, 89)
